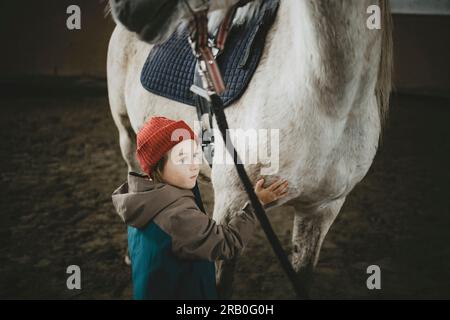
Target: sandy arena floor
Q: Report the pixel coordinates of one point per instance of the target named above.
(61, 161)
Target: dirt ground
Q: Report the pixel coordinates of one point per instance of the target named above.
(61, 161)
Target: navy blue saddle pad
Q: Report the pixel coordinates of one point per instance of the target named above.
(170, 66)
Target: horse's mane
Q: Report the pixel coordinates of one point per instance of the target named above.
(243, 15)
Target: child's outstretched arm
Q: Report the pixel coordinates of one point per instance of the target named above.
(272, 193)
(196, 236)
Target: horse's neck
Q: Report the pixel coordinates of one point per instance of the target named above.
(325, 44)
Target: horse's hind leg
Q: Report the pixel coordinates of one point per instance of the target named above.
(307, 237)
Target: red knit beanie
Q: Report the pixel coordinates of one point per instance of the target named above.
(154, 139)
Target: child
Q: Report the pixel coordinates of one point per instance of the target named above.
(172, 243)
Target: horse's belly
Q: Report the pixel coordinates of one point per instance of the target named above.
(329, 172)
(331, 182)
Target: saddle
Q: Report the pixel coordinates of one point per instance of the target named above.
(170, 67)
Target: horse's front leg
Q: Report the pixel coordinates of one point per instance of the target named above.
(310, 229)
(229, 197)
(225, 270)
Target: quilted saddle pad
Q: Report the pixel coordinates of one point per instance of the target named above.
(170, 66)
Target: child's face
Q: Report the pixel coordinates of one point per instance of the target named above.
(183, 164)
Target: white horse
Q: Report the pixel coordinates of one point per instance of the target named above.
(324, 80)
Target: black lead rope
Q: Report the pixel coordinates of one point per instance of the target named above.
(217, 105)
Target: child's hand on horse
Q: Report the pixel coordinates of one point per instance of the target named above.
(275, 191)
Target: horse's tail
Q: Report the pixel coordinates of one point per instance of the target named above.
(384, 81)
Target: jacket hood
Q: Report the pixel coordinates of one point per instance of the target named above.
(139, 200)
